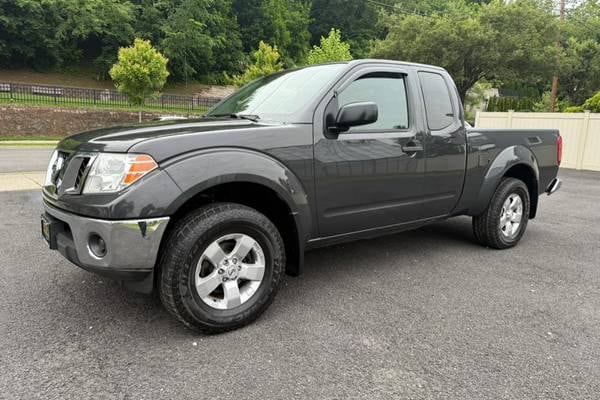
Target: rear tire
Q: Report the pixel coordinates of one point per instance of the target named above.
(504, 221)
(221, 267)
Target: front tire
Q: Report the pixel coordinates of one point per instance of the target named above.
(221, 267)
(504, 221)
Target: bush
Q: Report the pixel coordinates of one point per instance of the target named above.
(503, 104)
(331, 49)
(593, 103)
(573, 109)
(266, 62)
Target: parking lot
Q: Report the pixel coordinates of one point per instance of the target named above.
(427, 314)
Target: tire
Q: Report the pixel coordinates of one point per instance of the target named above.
(491, 227)
(189, 267)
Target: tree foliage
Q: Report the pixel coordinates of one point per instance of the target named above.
(510, 44)
(356, 19)
(141, 71)
(496, 41)
(330, 49)
(284, 23)
(200, 37)
(266, 61)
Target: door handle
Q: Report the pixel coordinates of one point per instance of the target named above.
(412, 147)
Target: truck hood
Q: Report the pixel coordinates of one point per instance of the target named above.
(122, 138)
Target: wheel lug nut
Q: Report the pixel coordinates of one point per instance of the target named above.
(225, 262)
(239, 267)
(234, 260)
(224, 279)
(220, 271)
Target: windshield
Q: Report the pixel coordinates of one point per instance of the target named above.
(278, 96)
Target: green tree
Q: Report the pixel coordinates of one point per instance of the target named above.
(512, 42)
(140, 72)
(93, 30)
(266, 62)
(201, 38)
(28, 34)
(284, 23)
(331, 49)
(356, 19)
(580, 68)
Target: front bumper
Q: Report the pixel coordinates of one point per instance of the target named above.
(131, 245)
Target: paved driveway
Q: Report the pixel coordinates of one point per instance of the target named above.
(422, 315)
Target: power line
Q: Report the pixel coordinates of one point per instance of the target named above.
(399, 9)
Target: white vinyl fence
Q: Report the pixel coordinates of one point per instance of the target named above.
(580, 132)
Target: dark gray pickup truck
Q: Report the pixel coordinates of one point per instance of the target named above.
(211, 212)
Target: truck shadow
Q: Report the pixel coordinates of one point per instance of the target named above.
(108, 303)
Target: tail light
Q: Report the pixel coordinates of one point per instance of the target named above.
(559, 145)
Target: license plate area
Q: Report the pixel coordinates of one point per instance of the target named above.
(48, 231)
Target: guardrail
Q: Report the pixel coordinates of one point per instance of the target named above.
(73, 96)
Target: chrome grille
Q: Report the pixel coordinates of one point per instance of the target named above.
(68, 172)
(58, 168)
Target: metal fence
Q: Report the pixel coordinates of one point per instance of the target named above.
(72, 96)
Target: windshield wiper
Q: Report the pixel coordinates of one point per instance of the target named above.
(249, 117)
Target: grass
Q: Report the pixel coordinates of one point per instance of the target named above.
(87, 78)
(49, 101)
(28, 138)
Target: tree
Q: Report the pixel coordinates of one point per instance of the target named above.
(331, 49)
(141, 72)
(512, 42)
(580, 68)
(93, 30)
(356, 19)
(201, 38)
(266, 62)
(284, 23)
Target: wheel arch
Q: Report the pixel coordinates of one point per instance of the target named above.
(516, 162)
(252, 179)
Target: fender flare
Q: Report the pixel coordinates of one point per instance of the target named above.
(198, 171)
(505, 160)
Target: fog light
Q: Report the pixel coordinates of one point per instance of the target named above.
(97, 245)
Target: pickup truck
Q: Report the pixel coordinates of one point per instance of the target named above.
(211, 212)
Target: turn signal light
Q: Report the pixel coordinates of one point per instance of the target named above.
(139, 166)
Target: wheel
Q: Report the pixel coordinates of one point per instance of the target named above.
(503, 222)
(221, 267)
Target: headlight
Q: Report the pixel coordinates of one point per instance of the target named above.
(111, 172)
(51, 168)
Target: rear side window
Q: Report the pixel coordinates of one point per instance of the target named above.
(438, 105)
(388, 91)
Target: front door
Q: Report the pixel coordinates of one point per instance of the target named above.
(372, 175)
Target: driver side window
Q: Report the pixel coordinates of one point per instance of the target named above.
(385, 89)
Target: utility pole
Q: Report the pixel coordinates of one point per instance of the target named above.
(554, 91)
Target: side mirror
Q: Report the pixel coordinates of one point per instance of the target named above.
(355, 114)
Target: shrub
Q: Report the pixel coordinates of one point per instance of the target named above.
(266, 62)
(331, 49)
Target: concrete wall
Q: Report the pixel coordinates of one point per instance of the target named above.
(34, 121)
(580, 132)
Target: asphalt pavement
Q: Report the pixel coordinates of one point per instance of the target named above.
(16, 159)
(427, 314)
